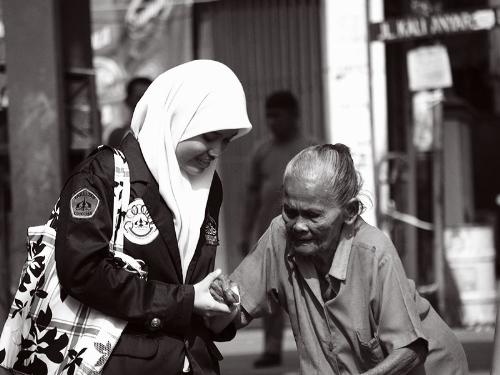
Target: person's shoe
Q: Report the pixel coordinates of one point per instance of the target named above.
(268, 360)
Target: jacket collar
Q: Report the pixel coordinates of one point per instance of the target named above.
(157, 208)
(139, 171)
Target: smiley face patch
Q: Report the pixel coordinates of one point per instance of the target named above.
(83, 204)
(138, 225)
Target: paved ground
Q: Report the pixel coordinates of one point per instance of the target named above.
(240, 353)
(478, 346)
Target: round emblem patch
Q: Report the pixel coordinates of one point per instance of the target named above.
(138, 225)
(84, 204)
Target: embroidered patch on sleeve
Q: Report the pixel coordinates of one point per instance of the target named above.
(84, 204)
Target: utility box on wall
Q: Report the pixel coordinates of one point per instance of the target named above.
(457, 158)
(468, 240)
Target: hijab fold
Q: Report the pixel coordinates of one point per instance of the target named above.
(188, 100)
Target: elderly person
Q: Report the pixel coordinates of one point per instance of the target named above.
(350, 304)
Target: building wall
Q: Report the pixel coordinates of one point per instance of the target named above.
(270, 45)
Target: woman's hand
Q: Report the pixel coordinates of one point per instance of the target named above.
(217, 323)
(204, 303)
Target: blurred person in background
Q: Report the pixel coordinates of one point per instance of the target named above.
(350, 304)
(136, 88)
(263, 198)
(180, 126)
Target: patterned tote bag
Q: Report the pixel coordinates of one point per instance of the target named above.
(48, 331)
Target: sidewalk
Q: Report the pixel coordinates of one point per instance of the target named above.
(240, 353)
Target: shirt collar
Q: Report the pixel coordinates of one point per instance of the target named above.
(340, 261)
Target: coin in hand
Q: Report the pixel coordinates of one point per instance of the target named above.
(222, 291)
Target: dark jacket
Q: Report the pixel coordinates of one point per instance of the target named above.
(162, 327)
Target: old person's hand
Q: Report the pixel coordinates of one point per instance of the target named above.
(204, 303)
(224, 290)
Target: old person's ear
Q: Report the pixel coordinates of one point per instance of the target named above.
(351, 211)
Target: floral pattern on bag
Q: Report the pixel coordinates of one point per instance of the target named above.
(75, 360)
(34, 265)
(42, 340)
(47, 331)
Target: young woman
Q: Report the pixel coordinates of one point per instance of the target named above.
(180, 126)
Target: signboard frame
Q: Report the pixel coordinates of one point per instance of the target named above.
(438, 24)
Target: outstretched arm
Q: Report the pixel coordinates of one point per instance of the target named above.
(88, 273)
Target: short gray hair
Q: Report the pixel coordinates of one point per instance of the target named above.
(334, 165)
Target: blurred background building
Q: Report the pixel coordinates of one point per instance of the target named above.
(411, 86)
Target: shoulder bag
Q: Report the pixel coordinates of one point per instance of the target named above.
(48, 331)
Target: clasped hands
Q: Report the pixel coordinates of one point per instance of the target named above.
(217, 299)
(215, 295)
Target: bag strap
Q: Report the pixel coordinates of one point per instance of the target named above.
(121, 192)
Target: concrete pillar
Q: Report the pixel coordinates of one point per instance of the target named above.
(82, 112)
(35, 117)
(354, 72)
(494, 36)
(354, 81)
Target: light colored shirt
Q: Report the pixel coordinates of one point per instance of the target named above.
(375, 311)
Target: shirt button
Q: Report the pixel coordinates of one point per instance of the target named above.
(330, 347)
(155, 324)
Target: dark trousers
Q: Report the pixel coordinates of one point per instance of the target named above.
(273, 331)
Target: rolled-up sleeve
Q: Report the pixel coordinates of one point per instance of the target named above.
(257, 275)
(396, 313)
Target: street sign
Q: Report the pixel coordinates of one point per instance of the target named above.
(429, 68)
(400, 29)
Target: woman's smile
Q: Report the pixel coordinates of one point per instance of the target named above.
(195, 154)
(204, 162)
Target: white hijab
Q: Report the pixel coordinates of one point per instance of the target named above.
(194, 98)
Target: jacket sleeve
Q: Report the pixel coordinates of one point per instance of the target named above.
(86, 269)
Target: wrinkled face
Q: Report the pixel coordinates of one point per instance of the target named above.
(313, 223)
(281, 122)
(194, 155)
